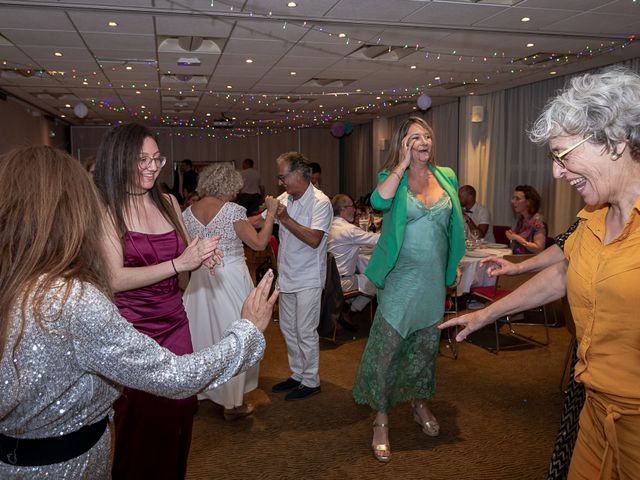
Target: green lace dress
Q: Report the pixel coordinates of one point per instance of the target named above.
(399, 361)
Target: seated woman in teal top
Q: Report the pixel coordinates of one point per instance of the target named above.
(416, 258)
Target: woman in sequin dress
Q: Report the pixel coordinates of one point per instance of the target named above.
(64, 347)
(145, 250)
(421, 244)
(213, 301)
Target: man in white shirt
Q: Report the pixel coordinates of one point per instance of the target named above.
(304, 215)
(345, 240)
(476, 216)
(252, 191)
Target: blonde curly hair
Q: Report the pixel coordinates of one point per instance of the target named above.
(220, 180)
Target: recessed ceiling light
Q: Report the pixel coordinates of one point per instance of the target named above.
(529, 45)
(525, 19)
(248, 60)
(67, 105)
(292, 73)
(553, 72)
(292, 4)
(358, 89)
(57, 54)
(128, 67)
(85, 82)
(62, 116)
(138, 92)
(472, 93)
(321, 106)
(246, 108)
(377, 98)
(112, 24)
(229, 86)
(342, 35)
(142, 106)
(413, 67)
(436, 78)
(208, 114)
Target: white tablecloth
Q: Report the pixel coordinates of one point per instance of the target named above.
(474, 275)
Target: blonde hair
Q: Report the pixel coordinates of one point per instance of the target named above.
(50, 230)
(220, 180)
(396, 142)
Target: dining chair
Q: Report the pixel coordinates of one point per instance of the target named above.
(331, 302)
(356, 293)
(451, 308)
(505, 284)
(500, 235)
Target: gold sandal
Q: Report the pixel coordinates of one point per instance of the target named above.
(382, 451)
(429, 427)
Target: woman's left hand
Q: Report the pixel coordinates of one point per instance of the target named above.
(511, 235)
(213, 260)
(471, 321)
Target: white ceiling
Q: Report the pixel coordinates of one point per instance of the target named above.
(473, 47)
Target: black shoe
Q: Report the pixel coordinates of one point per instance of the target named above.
(302, 392)
(288, 384)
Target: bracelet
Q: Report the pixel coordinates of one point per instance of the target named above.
(174, 266)
(396, 174)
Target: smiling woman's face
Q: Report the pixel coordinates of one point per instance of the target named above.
(147, 176)
(421, 143)
(588, 168)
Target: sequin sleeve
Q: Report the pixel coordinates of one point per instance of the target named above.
(105, 343)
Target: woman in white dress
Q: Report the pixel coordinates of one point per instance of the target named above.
(213, 302)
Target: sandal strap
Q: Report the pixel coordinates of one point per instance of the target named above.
(381, 425)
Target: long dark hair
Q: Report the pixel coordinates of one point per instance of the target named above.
(50, 233)
(116, 172)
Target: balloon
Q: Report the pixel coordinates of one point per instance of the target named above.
(348, 128)
(80, 110)
(424, 102)
(337, 129)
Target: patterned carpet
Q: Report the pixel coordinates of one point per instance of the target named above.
(499, 416)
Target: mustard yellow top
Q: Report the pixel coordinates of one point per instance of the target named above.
(603, 289)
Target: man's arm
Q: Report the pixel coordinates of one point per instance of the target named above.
(307, 235)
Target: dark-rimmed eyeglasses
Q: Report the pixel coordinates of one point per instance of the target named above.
(145, 162)
(558, 157)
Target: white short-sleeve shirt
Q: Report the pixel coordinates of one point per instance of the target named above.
(481, 216)
(300, 266)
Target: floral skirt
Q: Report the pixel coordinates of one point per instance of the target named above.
(395, 369)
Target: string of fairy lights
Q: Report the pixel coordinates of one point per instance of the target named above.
(283, 110)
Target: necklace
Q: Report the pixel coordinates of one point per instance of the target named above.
(138, 194)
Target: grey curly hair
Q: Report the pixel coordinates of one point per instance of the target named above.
(605, 104)
(220, 180)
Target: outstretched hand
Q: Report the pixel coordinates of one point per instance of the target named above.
(258, 307)
(471, 321)
(499, 266)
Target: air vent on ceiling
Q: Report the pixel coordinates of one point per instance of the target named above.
(294, 101)
(125, 61)
(191, 79)
(381, 52)
(200, 45)
(328, 82)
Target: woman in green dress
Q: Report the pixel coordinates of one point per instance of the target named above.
(416, 258)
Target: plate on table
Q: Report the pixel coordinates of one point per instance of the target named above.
(496, 245)
(478, 253)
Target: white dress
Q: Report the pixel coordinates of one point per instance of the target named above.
(213, 302)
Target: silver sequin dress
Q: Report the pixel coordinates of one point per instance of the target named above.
(66, 374)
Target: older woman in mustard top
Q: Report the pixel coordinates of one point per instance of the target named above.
(416, 257)
(593, 131)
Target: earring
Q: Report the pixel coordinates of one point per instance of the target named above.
(615, 156)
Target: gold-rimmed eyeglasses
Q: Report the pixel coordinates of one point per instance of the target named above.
(145, 162)
(282, 178)
(558, 157)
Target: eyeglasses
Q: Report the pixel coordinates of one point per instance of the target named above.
(281, 178)
(558, 157)
(145, 162)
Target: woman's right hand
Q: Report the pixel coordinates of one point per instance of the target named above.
(405, 151)
(196, 253)
(272, 205)
(499, 266)
(258, 307)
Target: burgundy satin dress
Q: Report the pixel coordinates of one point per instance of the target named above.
(153, 434)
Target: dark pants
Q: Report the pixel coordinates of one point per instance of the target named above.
(153, 436)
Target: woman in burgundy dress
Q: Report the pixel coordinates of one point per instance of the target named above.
(145, 248)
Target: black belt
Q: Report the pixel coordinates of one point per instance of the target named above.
(35, 452)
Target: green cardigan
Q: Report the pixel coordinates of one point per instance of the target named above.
(394, 209)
